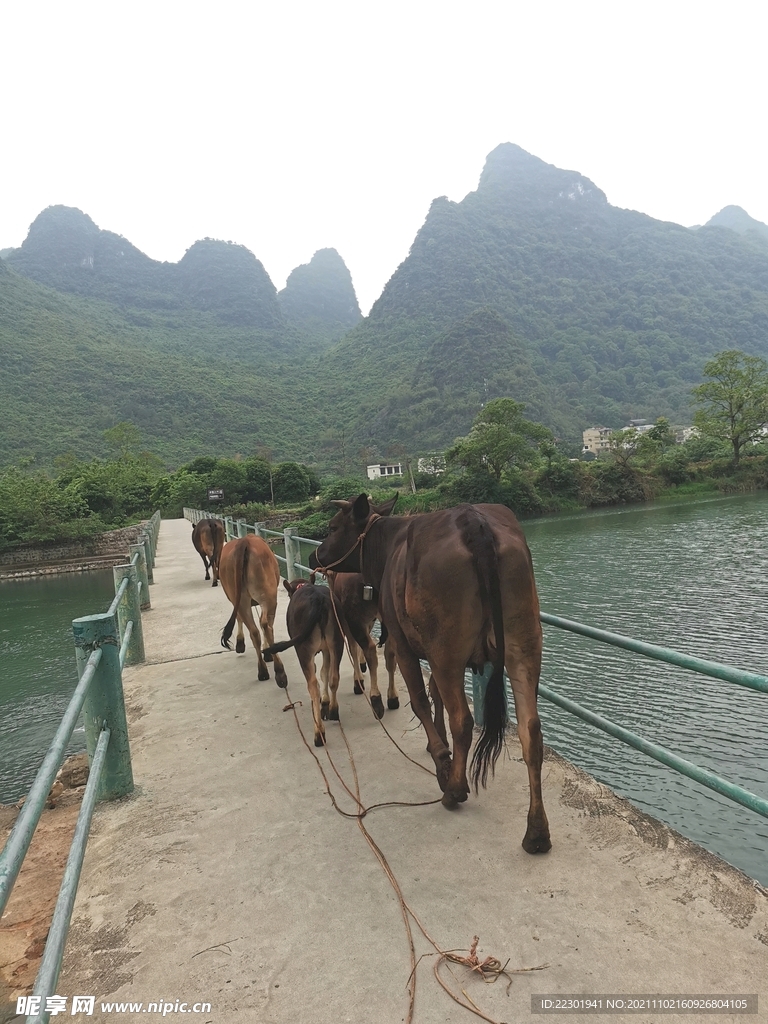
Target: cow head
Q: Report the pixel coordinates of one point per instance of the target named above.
(295, 585)
(341, 546)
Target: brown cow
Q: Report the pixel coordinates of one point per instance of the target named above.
(456, 587)
(313, 629)
(208, 537)
(357, 617)
(250, 576)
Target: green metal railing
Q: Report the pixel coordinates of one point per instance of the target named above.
(475, 683)
(103, 645)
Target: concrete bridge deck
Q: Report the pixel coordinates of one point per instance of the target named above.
(228, 878)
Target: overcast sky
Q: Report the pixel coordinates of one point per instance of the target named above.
(291, 126)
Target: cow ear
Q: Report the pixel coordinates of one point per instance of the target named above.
(386, 507)
(287, 586)
(312, 578)
(361, 508)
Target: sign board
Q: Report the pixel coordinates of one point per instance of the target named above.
(215, 494)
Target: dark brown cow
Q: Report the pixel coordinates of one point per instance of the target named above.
(313, 630)
(208, 537)
(357, 618)
(250, 576)
(456, 588)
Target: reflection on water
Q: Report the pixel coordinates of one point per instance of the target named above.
(37, 667)
(691, 577)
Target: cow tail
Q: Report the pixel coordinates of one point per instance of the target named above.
(241, 568)
(481, 542)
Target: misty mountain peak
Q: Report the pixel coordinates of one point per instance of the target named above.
(321, 292)
(737, 219)
(512, 169)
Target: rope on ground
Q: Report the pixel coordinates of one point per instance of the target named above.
(489, 969)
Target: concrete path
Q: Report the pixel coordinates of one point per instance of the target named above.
(228, 878)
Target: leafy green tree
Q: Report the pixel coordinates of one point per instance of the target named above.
(733, 401)
(124, 438)
(291, 482)
(500, 439)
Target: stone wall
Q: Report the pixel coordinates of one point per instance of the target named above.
(100, 546)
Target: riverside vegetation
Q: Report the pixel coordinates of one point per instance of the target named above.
(505, 458)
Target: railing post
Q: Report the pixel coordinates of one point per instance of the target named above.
(242, 528)
(292, 553)
(141, 574)
(479, 686)
(260, 527)
(128, 610)
(105, 702)
(145, 542)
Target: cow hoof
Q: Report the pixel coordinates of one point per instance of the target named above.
(319, 740)
(363, 666)
(378, 706)
(281, 679)
(324, 710)
(443, 770)
(537, 842)
(267, 657)
(240, 646)
(359, 688)
(263, 673)
(215, 583)
(207, 576)
(393, 703)
(449, 802)
(333, 714)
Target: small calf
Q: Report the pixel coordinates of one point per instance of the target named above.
(357, 616)
(313, 629)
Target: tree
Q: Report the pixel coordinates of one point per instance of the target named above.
(733, 401)
(500, 439)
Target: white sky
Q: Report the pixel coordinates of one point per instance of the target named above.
(289, 126)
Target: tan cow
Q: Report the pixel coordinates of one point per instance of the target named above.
(250, 575)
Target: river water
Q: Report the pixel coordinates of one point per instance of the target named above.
(690, 576)
(37, 667)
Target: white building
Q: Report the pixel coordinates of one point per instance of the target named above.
(380, 469)
(597, 439)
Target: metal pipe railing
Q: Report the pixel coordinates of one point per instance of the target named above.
(103, 644)
(50, 965)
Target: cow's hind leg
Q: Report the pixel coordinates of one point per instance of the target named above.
(523, 671)
(393, 701)
(438, 710)
(357, 665)
(307, 662)
(240, 641)
(325, 703)
(336, 653)
(205, 564)
(268, 608)
(367, 646)
(247, 615)
(410, 668)
(449, 684)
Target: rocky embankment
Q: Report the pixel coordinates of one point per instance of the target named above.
(27, 918)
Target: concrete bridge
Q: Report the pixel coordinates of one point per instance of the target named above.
(228, 878)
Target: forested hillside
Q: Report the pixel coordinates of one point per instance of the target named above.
(532, 287)
(613, 313)
(72, 368)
